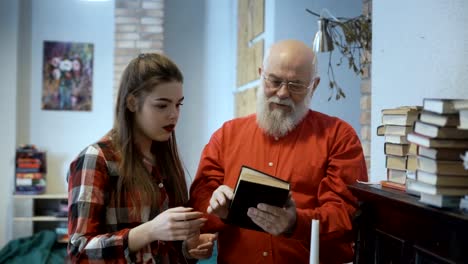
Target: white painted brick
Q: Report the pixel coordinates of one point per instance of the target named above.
(127, 4)
(156, 45)
(153, 13)
(143, 44)
(127, 36)
(126, 52)
(152, 5)
(152, 29)
(126, 20)
(122, 60)
(152, 36)
(119, 12)
(125, 44)
(126, 28)
(151, 21)
(160, 51)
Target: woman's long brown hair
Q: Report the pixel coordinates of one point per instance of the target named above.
(141, 76)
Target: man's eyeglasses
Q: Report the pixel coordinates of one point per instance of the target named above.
(293, 87)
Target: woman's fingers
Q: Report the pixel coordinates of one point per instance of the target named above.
(189, 224)
(186, 216)
(179, 209)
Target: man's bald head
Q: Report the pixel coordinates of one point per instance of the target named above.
(293, 55)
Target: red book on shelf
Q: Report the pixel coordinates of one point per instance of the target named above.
(393, 185)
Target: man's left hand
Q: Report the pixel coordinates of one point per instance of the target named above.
(272, 219)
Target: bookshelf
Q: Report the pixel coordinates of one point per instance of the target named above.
(394, 227)
(33, 213)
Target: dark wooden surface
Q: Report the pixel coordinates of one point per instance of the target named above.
(394, 227)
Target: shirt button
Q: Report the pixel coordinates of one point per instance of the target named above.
(265, 253)
(270, 164)
(276, 138)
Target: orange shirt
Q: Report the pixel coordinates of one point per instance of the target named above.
(320, 157)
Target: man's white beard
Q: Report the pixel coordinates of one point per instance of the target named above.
(278, 122)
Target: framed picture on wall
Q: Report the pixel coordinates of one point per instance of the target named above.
(67, 76)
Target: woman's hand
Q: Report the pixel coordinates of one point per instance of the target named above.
(179, 223)
(201, 246)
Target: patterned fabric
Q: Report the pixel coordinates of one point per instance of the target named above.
(320, 157)
(98, 230)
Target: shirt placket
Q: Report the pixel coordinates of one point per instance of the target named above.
(271, 164)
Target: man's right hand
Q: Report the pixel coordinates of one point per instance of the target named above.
(219, 202)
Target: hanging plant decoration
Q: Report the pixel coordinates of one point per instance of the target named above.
(352, 37)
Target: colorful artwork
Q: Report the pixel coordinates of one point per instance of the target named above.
(67, 76)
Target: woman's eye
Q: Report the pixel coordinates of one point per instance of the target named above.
(161, 106)
(179, 105)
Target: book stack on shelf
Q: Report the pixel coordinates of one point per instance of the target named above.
(400, 155)
(464, 204)
(30, 170)
(462, 107)
(441, 178)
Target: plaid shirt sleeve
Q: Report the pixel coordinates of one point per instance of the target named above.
(88, 188)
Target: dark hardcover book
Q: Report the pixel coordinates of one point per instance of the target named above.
(254, 187)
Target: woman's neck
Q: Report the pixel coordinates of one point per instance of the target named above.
(144, 145)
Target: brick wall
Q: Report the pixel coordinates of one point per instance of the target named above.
(366, 93)
(138, 29)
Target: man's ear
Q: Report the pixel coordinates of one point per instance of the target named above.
(315, 84)
(131, 103)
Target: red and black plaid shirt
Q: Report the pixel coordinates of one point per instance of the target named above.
(97, 235)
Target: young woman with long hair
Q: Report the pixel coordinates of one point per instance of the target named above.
(126, 193)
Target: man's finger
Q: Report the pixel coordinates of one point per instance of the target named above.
(276, 211)
(227, 192)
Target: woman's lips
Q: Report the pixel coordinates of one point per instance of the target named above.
(169, 128)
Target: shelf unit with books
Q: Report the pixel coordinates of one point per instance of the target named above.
(34, 213)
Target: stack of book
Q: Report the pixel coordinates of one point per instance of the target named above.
(400, 155)
(462, 107)
(441, 178)
(30, 170)
(464, 204)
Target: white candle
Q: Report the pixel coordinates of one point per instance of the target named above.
(314, 242)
